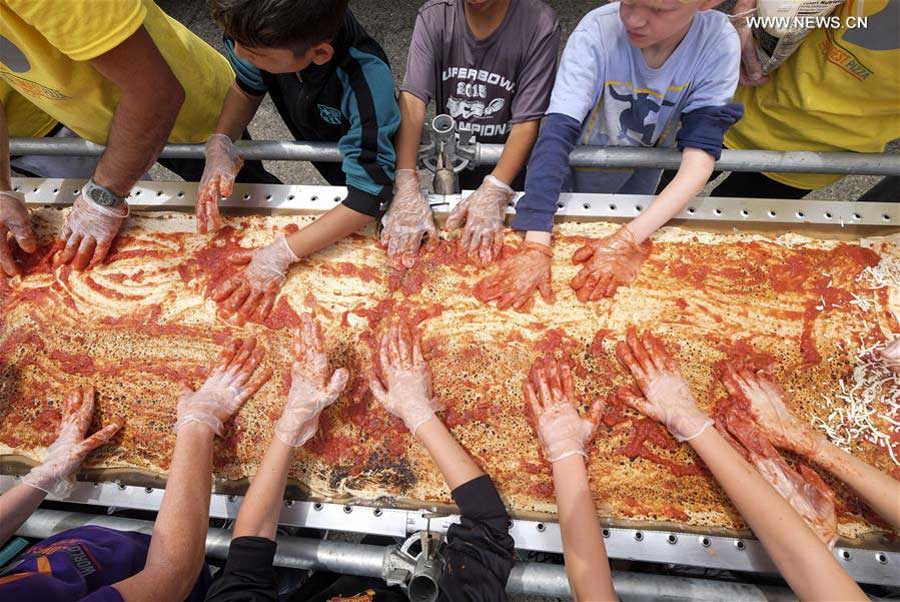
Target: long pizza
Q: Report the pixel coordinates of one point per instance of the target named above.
(811, 309)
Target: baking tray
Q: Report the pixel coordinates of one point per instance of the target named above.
(870, 560)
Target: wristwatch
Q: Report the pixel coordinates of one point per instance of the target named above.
(101, 195)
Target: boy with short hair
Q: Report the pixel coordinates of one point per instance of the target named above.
(489, 64)
(632, 71)
(331, 82)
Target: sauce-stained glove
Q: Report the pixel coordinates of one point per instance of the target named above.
(222, 166)
(482, 212)
(407, 221)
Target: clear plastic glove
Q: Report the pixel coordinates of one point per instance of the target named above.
(751, 68)
(229, 385)
(609, 263)
(407, 220)
(551, 396)
(251, 293)
(222, 166)
(89, 232)
(406, 392)
(71, 447)
(482, 212)
(891, 356)
(14, 219)
(765, 400)
(313, 386)
(667, 397)
(518, 277)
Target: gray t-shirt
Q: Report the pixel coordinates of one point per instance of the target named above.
(486, 85)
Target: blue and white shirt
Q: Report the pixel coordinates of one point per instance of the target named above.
(605, 94)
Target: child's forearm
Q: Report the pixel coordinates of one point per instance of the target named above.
(696, 167)
(879, 491)
(333, 226)
(412, 118)
(237, 112)
(453, 461)
(516, 150)
(258, 516)
(587, 566)
(803, 560)
(16, 505)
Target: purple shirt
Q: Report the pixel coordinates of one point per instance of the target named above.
(81, 564)
(486, 85)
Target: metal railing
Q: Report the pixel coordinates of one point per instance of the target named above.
(876, 164)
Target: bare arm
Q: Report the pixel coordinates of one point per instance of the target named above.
(16, 505)
(237, 112)
(178, 543)
(453, 461)
(696, 167)
(412, 119)
(587, 565)
(333, 226)
(803, 560)
(516, 150)
(146, 112)
(879, 491)
(258, 516)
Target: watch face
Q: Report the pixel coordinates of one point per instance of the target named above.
(102, 197)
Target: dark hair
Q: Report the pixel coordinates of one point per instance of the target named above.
(294, 24)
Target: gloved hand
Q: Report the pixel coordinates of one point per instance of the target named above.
(767, 408)
(667, 396)
(517, 277)
(609, 262)
(891, 356)
(229, 385)
(89, 232)
(482, 212)
(313, 386)
(71, 447)
(407, 220)
(406, 392)
(551, 396)
(222, 166)
(14, 218)
(251, 293)
(751, 68)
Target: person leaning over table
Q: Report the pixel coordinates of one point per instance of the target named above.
(120, 73)
(645, 73)
(839, 91)
(331, 82)
(489, 64)
(663, 394)
(106, 565)
(479, 552)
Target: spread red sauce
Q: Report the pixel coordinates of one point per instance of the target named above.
(648, 431)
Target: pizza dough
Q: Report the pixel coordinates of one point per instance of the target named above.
(140, 323)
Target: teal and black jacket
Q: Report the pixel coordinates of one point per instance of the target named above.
(349, 100)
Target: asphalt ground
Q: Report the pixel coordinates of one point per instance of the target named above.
(391, 23)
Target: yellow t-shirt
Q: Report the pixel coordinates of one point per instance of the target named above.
(45, 52)
(23, 118)
(839, 91)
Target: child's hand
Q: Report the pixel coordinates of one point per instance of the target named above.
(768, 410)
(609, 262)
(667, 396)
(891, 356)
(407, 220)
(313, 386)
(550, 394)
(517, 277)
(482, 211)
(406, 392)
(222, 165)
(228, 386)
(251, 293)
(72, 446)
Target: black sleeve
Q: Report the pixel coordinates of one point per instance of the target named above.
(248, 575)
(480, 552)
